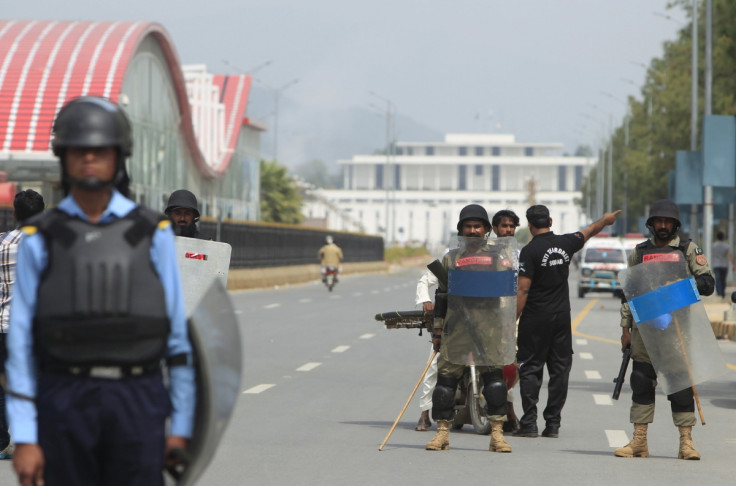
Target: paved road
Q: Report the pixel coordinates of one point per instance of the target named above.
(324, 382)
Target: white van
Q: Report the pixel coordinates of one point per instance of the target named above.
(601, 260)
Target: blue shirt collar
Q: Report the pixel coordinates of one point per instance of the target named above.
(117, 208)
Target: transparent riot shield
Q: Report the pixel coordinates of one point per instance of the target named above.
(673, 323)
(480, 324)
(200, 262)
(215, 336)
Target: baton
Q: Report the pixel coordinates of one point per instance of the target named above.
(407, 402)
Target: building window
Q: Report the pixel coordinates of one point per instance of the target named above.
(398, 150)
(379, 177)
(495, 180)
(429, 150)
(350, 177)
(578, 177)
(528, 151)
(478, 170)
(409, 150)
(397, 177)
(562, 178)
(479, 151)
(462, 151)
(462, 171)
(495, 151)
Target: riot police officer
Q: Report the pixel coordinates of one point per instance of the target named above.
(663, 223)
(97, 306)
(183, 212)
(457, 332)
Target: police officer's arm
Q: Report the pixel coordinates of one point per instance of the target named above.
(181, 389)
(522, 292)
(698, 266)
(596, 227)
(626, 318)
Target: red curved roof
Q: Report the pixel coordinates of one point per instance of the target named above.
(45, 63)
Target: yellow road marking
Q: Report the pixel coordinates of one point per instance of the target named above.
(579, 319)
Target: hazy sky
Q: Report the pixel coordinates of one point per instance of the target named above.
(529, 67)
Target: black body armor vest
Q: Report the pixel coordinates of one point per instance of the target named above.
(646, 250)
(100, 300)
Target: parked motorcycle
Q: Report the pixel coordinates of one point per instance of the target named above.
(470, 404)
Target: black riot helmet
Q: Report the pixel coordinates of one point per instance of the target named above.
(664, 208)
(93, 122)
(182, 198)
(473, 211)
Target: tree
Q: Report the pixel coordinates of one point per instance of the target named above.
(280, 199)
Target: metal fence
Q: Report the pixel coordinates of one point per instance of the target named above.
(258, 245)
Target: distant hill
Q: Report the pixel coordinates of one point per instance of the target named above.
(306, 134)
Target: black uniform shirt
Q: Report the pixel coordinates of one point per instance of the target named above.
(546, 260)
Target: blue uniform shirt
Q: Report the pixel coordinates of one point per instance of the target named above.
(21, 364)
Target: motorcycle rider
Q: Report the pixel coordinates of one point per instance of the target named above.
(473, 224)
(183, 212)
(330, 255)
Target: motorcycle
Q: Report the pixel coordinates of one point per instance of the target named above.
(330, 277)
(470, 404)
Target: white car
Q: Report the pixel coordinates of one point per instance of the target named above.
(601, 260)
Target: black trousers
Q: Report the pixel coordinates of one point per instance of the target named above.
(544, 340)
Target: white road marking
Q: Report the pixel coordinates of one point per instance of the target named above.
(617, 438)
(308, 366)
(367, 336)
(592, 375)
(258, 388)
(271, 306)
(602, 399)
(374, 291)
(340, 349)
(357, 294)
(586, 355)
(335, 296)
(304, 301)
(238, 312)
(581, 342)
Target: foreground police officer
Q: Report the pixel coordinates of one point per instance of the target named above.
(97, 306)
(663, 223)
(183, 212)
(545, 336)
(473, 224)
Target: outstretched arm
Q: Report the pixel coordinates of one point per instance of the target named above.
(596, 227)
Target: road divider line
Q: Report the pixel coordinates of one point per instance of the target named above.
(586, 355)
(367, 336)
(271, 306)
(579, 318)
(258, 389)
(592, 375)
(304, 301)
(581, 342)
(602, 399)
(308, 366)
(616, 438)
(340, 349)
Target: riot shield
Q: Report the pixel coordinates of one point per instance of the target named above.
(200, 262)
(673, 323)
(480, 324)
(215, 336)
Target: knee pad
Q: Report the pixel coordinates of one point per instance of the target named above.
(443, 397)
(494, 391)
(642, 383)
(682, 401)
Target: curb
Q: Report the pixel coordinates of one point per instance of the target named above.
(260, 278)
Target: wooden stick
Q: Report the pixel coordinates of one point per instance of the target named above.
(426, 368)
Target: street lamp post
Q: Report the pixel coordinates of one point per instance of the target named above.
(390, 132)
(276, 99)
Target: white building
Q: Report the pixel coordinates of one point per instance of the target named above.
(416, 194)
